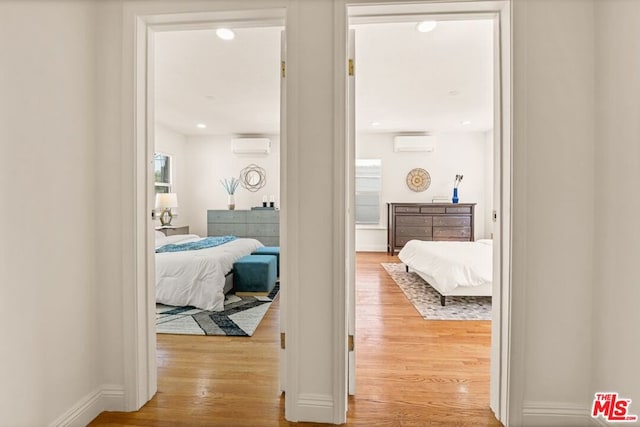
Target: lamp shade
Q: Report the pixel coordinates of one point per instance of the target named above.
(166, 200)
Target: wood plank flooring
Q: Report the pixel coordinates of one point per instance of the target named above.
(410, 371)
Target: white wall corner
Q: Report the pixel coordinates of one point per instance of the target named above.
(107, 398)
(315, 408)
(552, 414)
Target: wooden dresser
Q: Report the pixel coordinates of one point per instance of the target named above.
(262, 225)
(428, 221)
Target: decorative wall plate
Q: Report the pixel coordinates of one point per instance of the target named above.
(418, 179)
(253, 177)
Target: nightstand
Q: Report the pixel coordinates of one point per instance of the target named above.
(172, 230)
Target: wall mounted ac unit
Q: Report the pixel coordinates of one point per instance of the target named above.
(413, 143)
(251, 146)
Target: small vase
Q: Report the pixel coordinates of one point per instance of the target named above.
(231, 202)
(455, 196)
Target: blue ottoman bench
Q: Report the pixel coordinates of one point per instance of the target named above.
(269, 250)
(255, 274)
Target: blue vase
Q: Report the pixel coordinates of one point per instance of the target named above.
(455, 196)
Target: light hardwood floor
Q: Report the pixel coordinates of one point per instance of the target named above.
(410, 371)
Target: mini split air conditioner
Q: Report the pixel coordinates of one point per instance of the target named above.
(413, 143)
(251, 146)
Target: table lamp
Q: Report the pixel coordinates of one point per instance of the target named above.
(164, 202)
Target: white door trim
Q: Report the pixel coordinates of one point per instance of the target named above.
(139, 25)
(362, 11)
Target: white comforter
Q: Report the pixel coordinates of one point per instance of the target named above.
(197, 277)
(451, 264)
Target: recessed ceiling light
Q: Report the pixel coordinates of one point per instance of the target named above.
(465, 123)
(201, 126)
(375, 124)
(454, 92)
(225, 33)
(426, 26)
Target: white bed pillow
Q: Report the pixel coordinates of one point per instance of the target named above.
(485, 241)
(160, 235)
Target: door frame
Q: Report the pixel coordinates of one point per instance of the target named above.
(140, 25)
(360, 11)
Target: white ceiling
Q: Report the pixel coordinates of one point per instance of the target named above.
(424, 82)
(231, 86)
(407, 81)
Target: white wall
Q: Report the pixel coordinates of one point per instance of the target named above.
(616, 321)
(49, 286)
(456, 153)
(208, 160)
(65, 76)
(553, 202)
(489, 175)
(168, 141)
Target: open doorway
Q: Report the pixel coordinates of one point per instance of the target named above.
(431, 108)
(216, 95)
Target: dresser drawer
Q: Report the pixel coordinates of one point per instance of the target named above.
(452, 232)
(401, 241)
(452, 221)
(269, 241)
(262, 230)
(406, 231)
(232, 217)
(238, 230)
(407, 209)
(432, 210)
(459, 209)
(263, 217)
(414, 220)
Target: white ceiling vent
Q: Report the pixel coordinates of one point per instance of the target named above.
(414, 143)
(251, 146)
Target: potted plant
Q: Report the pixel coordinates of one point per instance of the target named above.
(230, 185)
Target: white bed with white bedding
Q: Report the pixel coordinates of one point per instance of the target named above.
(197, 277)
(452, 268)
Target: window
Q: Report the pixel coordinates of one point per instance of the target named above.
(162, 165)
(368, 188)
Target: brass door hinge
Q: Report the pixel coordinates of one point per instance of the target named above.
(283, 66)
(350, 343)
(282, 340)
(351, 68)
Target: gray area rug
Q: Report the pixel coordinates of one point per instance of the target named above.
(241, 317)
(427, 300)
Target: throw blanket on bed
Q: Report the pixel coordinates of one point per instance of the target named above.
(207, 242)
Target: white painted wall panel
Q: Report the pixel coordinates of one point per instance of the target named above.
(616, 321)
(554, 199)
(49, 285)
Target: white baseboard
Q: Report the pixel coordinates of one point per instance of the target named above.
(315, 408)
(553, 414)
(106, 398)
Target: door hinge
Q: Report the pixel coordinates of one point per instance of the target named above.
(282, 340)
(495, 216)
(283, 68)
(351, 68)
(350, 343)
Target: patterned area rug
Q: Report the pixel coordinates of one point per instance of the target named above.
(241, 317)
(427, 300)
